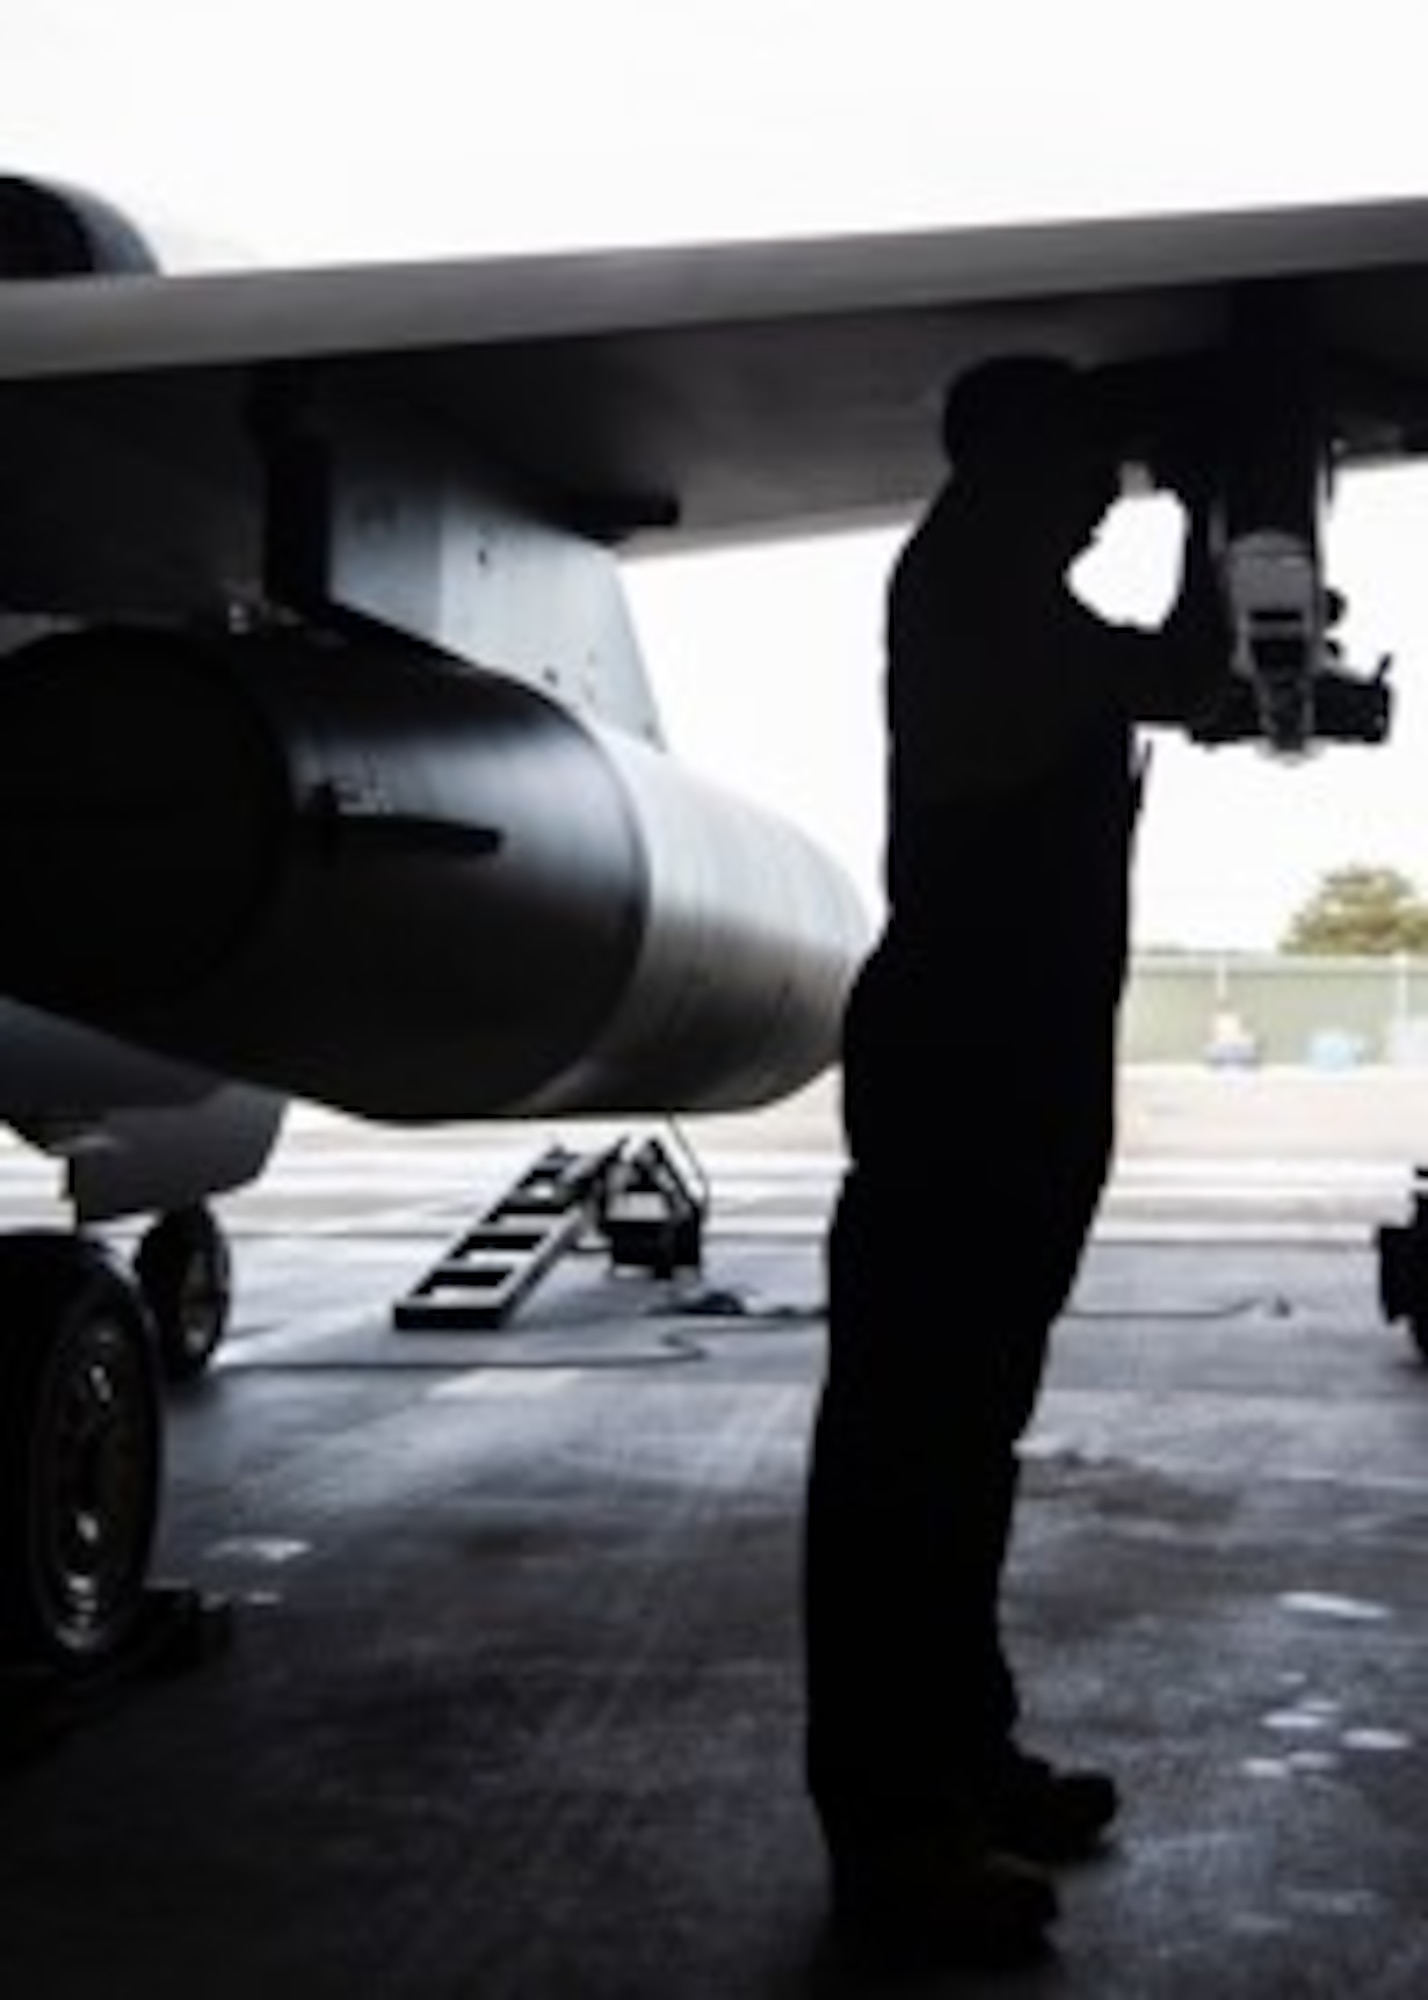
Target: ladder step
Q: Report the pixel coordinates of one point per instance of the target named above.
(475, 1272)
(414, 1315)
(475, 1300)
(501, 1240)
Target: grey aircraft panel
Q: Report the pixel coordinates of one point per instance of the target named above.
(136, 1131)
(746, 389)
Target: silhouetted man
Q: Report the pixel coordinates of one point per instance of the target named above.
(978, 1104)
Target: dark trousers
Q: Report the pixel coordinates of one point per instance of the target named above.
(976, 1171)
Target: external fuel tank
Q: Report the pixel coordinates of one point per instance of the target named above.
(356, 871)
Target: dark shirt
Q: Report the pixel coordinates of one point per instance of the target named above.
(987, 1012)
(1023, 889)
(1011, 794)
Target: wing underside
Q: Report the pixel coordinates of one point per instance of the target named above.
(745, 390)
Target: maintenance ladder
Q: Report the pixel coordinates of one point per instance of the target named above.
(649, 1208)
(482, 1277)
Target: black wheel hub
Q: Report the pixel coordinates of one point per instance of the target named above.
(93, 1479)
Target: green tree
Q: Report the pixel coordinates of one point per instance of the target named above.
(1358, 909)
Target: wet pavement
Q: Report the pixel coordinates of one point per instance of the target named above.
(512, 1708)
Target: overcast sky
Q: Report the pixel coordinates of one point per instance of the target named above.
(289, 131)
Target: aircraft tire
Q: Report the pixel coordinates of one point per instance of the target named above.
(81, 1452)
(185, 1273)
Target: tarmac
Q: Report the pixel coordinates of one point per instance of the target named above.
(511, 1709)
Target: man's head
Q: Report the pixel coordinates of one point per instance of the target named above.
(1020, 403)
(1028, 432)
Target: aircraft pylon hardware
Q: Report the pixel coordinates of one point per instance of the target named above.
(648, 1206)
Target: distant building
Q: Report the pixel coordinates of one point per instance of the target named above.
(1235, 1008)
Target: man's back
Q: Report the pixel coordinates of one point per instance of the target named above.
(1010, 761)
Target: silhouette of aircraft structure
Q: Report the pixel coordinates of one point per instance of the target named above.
(329, 766)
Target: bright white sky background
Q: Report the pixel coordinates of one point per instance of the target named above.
(292, 131)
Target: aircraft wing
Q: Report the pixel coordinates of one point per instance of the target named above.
(758, 388)
(342, 674)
